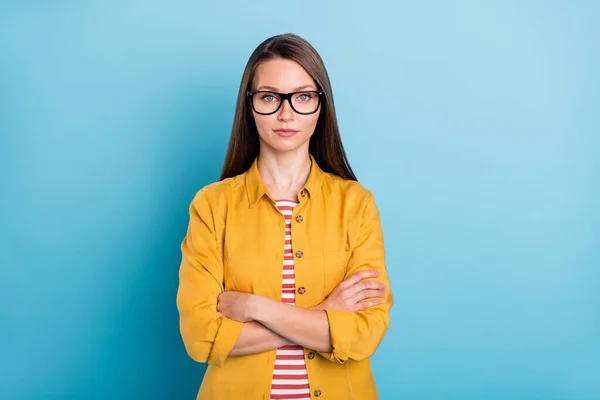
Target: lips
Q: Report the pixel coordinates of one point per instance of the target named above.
(285, 132)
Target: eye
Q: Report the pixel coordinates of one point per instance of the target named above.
(269, 97)
(305, 96)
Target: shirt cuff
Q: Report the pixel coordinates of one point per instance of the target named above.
(225, 340)
(341, 325)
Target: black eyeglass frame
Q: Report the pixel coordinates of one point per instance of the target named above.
(283, 97)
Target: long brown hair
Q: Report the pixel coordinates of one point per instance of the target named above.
(325, 144)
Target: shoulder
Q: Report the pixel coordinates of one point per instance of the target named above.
(215, 193)
(356, 201)
(347, 190)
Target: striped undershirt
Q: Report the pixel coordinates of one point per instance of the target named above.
(290, 379)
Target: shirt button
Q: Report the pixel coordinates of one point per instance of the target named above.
(303, 193)
(299, 253)
(301, 290)
(299, 218)
(317, 393)
(311, 355)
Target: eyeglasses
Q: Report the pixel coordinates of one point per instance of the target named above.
(267, 103)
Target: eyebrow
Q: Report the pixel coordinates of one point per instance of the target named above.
(296, 89)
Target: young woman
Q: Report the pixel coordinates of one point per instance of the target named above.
(283, 287)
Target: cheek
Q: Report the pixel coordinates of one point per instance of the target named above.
(310, 122)
(264, 123)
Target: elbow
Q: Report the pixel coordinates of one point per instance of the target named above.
(203, 353)
(198, 339)
(355, 336)
(210, 341)
(198, 352)
(368, 340)
(363, 352)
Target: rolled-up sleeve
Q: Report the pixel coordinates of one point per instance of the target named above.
(207, 335)
(356, 335)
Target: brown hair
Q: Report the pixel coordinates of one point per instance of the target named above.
(325, 144)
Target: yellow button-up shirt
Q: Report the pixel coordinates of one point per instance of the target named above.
(235, 242)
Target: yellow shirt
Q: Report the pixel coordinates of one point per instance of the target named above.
(234, 242)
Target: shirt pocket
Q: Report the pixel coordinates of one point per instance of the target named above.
(335, 265)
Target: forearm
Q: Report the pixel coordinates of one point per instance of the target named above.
(306, 327)
(256, 338)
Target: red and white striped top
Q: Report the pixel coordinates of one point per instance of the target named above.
(290, 379)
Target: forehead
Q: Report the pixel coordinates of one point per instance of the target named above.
(284, 75)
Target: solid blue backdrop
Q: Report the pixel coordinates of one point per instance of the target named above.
(475, 124)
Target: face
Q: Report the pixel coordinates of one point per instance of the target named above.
(284, 76)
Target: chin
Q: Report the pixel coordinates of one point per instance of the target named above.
(285, 148)
(282, 145)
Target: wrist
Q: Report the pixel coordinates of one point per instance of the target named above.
(255, 307)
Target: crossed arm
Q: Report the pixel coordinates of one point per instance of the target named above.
(269, 324)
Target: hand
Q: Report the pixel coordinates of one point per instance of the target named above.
(236, 305)
(348, 295)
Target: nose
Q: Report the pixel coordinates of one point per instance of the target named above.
(286, 112)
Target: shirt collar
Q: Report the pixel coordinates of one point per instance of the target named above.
(255, 187)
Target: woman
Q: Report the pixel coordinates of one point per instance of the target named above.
(283, 287)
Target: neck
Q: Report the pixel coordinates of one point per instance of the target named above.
(284, 170)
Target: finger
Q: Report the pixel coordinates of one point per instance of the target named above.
(372, 285)
(225, 295)
(370, 294)
(367, 294)
(359, 276)
(364, 285)
(367, 304)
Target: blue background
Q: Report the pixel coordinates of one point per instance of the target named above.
(475, 124)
